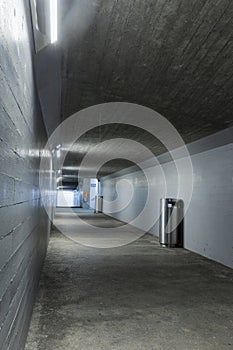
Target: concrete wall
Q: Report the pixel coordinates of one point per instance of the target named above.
(24, 226)
(48, 79)
(208, 222)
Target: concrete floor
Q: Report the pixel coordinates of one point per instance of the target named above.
(139, 296)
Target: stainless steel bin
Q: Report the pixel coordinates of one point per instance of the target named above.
(171, 222)
(98, 204)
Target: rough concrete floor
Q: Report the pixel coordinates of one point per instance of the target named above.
(139, 296)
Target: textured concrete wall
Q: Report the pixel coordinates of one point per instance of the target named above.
(48, 78)
(24, 227)
(209, 219)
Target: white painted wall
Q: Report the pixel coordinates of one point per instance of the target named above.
(65, 198)
(209, 220)
(208, 225)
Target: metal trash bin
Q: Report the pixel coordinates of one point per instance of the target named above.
(98, 204)
(171, 222)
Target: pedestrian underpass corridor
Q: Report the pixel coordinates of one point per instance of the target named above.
(116, 174)
(139, 296)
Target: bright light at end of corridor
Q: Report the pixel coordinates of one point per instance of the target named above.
(53, 21)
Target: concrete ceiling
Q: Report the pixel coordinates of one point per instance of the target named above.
(98, 135)
(174, 56)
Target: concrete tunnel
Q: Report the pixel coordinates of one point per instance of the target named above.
(116, 174)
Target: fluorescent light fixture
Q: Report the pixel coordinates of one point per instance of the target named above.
(53, 21)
